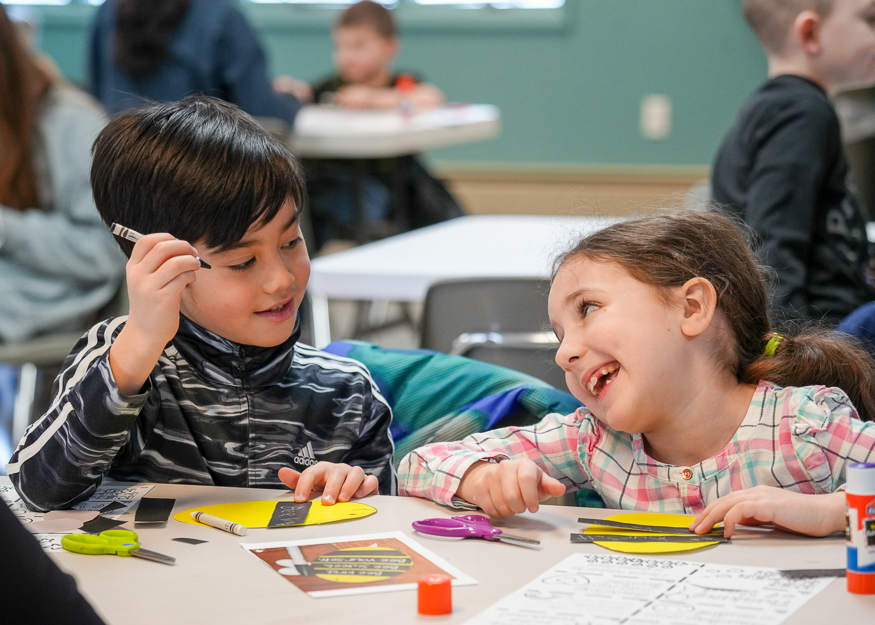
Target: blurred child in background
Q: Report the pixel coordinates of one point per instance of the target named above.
(370, 198)
(164, 50)
(58, 264)
(782, 168)
(365, 47)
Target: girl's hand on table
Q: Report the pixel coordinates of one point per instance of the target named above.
(508, 487)
(813, 515)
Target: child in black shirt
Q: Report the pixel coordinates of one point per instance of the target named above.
(365, 199)
(781, 167)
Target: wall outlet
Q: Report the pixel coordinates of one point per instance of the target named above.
(656, 117)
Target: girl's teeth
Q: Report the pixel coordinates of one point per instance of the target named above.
(596, 376)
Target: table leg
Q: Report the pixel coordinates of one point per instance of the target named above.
(320, 320)
(360, 223)
(400, 204)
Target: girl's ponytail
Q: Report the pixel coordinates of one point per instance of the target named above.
(818, 357)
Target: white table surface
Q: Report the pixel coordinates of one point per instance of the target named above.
(330, 132)
(402, 267)
(218, 583)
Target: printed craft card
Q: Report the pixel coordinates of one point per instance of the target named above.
(354, 565)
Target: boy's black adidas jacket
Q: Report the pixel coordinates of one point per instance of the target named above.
(212, 412)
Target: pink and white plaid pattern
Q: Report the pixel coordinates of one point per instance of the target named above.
(796, 438)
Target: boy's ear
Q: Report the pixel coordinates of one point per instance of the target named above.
(806, 32)
(699, 301)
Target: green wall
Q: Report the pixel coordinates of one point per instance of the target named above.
(569, 93)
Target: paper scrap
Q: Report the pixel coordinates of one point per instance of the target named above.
(111, 507)
(83, 516)
(126, 496)
(101, 524)
(64, 525)
(289, 513)
(17, 506)
(189, 541)
(50, 542)
(154, 510)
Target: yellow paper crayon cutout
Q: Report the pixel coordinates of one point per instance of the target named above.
(647, 518)
(256, 514)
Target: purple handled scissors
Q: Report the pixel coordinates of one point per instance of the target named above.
(470, 526)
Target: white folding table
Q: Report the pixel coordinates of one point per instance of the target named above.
(219, 583)
(401, 268)
(331, 132)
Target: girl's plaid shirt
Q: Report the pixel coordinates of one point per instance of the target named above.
(797, 438)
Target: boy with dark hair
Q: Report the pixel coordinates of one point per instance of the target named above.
(781, 167)
(204, 381)
(365, 47)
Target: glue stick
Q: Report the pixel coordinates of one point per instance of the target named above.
(860, 492)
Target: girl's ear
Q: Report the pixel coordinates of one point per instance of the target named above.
(806, 31)
(699, 299)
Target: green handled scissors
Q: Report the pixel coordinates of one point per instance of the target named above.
(117, 542)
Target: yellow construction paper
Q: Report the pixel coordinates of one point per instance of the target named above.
(647, 518)
(255, 514)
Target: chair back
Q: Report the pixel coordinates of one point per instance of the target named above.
(28, 368)
(502, 321)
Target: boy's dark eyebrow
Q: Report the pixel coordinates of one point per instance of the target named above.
(244, 244)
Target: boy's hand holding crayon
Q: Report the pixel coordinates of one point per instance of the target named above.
(158, 271)
(508, 487)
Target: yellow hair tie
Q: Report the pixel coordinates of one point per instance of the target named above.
(772, 345)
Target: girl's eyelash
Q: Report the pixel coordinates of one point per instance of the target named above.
(294, 242)
(584, 306)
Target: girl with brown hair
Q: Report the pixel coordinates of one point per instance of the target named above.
(58, 263)
(692, 403)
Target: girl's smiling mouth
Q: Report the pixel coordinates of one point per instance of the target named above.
(601, 377)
